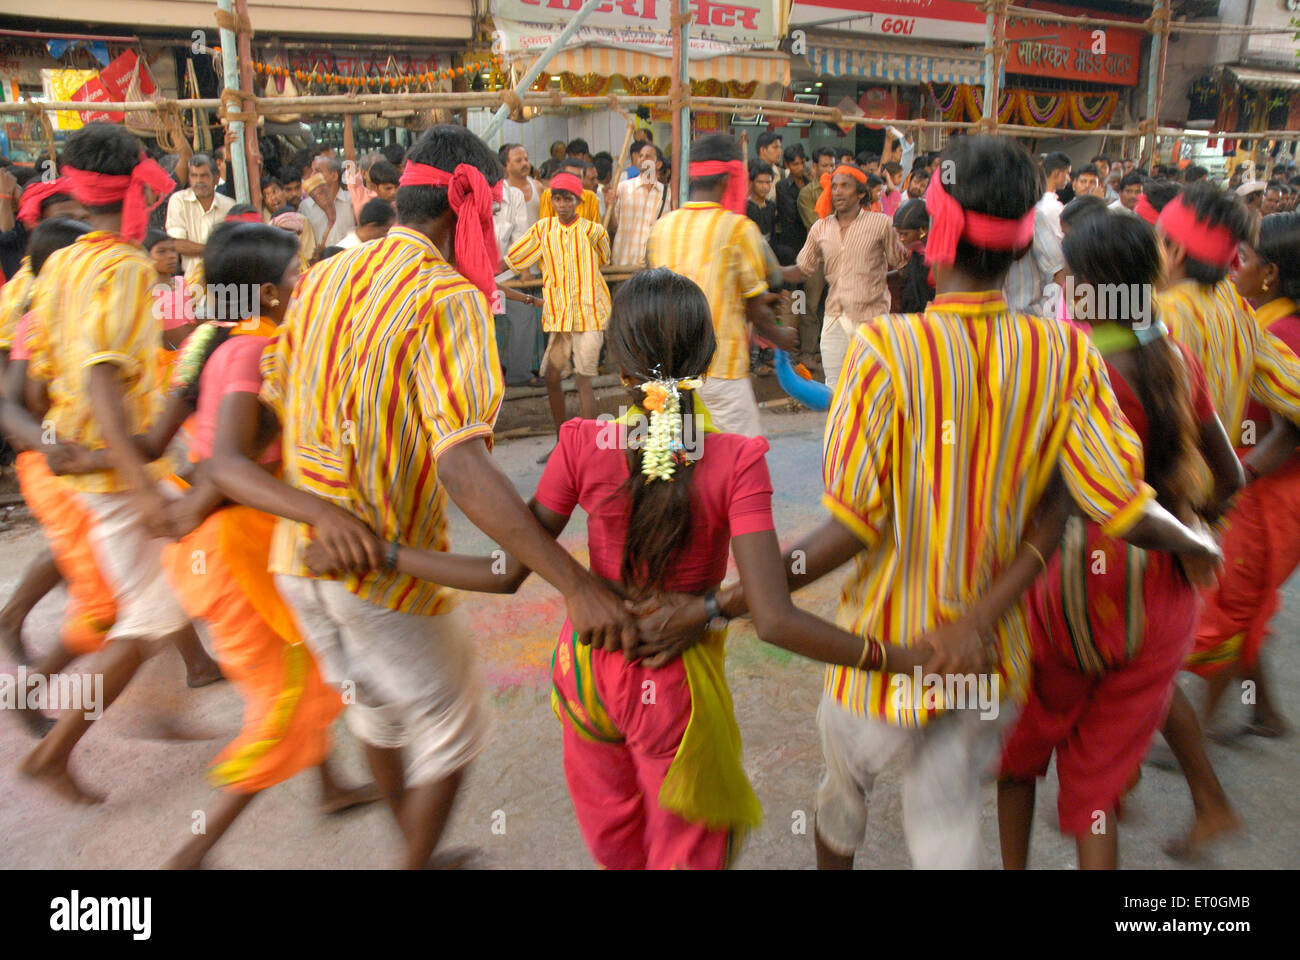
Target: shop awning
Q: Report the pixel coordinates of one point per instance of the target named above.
(1265, 79)
(607, 61)
(878, 62)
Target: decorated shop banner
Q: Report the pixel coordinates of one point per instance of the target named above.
(1073, 53)
(530, 26)
(61, 85)
(1062, 111)
(914, 19)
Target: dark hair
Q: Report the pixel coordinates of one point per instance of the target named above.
(1089, 169)
(919, 173)
(766, 139)
(202, 160)
(444, 146)
(792, 153)
(865, 157)
(1215, 208)
(237, 256)
(577, 148)
(377, 211)
(289, 175)
(824, 152)
(873, 181)
(1134, 178)
(912, 216)
(998, 177)
(1195, 172)
(326, 252)
(271, 182)
(717, 146)
(102, 148)
(394, 153)
(153, 238)
(1118, 248)
(1082, 208)
(381, 171)
(302, 159)
(504, 153)
(575, 163)
(757, 168)
(50, 235)
(1279, 244)
(893, 166)
(1102, 157)
(659, 328)
(604, 163)
(241, 209)
(1054, 162)
(1160, 192)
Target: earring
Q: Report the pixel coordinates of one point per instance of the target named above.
(275, 301)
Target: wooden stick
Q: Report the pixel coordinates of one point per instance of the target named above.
(616, 175)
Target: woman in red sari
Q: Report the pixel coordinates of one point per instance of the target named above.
(1111, 624)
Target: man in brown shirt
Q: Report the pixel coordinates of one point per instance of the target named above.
(857, 248)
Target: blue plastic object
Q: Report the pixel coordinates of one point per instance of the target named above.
(811, 393)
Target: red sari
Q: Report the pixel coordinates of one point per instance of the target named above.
(1110, 627)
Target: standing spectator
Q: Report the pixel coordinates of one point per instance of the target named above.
(1056, 174)
(588, 208)
(291, 180)
(604, 165)
(823, 164)
(638, 203)
(769, 152)
(640, 138)
(758, 208)
(1130, 190)
(892, 197)
(193, 212)
(1032, 285)
(272, 198)
(330, 214)
(552, 165)
(510, 223)
(913, 224)
(514, 157)
(1272, 201)
(915, 186)
(1087, 181)
(790, 231)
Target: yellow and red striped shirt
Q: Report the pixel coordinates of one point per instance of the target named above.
(575, 296)
(1240, 358)
(723, 253)
(15, 298)
(944, 431)
(93, 303)
(385, 359)
(588, 206)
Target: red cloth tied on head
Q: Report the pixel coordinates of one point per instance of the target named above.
(470, 198)
(1147, 212)
(251, 216)
(950, 222)
(1215, 246)
(103, 189)
(733, 198)
(35, 194)
(568, 183)
(824, 201)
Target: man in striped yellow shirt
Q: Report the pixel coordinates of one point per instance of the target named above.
(385, 382)
(945, 430)
(575, 297)
(95, 342)
(720, 248)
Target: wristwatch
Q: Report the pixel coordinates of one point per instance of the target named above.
(713, 610)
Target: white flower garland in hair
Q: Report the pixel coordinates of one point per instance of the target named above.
(663, 446)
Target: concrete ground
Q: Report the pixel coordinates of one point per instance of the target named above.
(514, 811)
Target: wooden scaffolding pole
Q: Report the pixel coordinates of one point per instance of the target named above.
(995, 58)
(228, 23)
(252, 151)
(679, 100)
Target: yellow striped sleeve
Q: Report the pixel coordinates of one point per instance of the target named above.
(751, 268)
(39, 365)
(121, 319)
(458, 373)
(1101, 456)
(600, 243)
(857, 444)
(1275, 380)
(527, 250)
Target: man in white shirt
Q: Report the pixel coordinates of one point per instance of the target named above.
(1130, 190)
(518, 307)
(637, 204)
(329, 227)
(1033, 284)
(514, 158)
(193, 212)
(1056, 176)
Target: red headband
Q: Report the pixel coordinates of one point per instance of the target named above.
(250, 216)
(470, 199)
(102, 190)
(1147, 212)
(824, 201)
(733, 198)
(29, 209)
(1215, 246)
(568, 183)
(951, 222)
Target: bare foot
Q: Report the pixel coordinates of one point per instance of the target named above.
(204, 675)
(456, 858)
(346, 799)
(185, 860)
(11, 640)
(1207, 827)
(58, 778)
(35, 722)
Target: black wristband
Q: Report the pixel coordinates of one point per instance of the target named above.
(390, 556)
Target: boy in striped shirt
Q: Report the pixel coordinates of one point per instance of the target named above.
(575, 296)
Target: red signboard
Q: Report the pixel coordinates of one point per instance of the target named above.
(1068, 52)
(111, 86)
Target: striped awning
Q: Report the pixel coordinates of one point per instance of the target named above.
(892, 66)
(1265, 79)
(765, 67)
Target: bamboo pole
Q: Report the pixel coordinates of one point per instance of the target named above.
(679, 94)
(252, 151)
(237, 155)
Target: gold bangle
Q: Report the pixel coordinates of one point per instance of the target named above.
(884, 656)
(866, 649)
(1041, 562)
